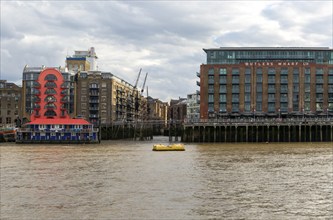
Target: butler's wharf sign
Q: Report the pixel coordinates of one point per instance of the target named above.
(264, 64)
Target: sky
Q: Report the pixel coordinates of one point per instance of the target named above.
(164, 38)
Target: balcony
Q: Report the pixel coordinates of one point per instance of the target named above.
(94, 93)
(64, 99)
(50, 99)
(93, 108)
(50, 77)
(93, 86)
(37, 93)
(50, 106)
(198, 83)
(37, 115)
(50, 85)
(198, 74)
(37, 100)
(50, 92)
(93, 101)
(64, 92)
(93, 116)
(36, 85)
(64, 86)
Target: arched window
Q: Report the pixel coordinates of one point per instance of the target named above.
(50, 77)
(50, 85)
(50, 92)
(50, 98)
(50, 114)
(50, 106)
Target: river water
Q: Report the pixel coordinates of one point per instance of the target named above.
(127, 180)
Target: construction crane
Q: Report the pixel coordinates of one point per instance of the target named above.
(144, 83)
(137, 80)
(130, 97)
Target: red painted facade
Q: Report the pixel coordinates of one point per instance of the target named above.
(51, 96)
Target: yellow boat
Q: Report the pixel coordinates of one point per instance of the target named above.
(172, 147)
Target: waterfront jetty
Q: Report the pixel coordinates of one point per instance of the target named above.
(259, 130)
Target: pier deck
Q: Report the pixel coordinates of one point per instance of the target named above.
(259, 130)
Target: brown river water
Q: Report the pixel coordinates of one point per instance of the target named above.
(127, 180)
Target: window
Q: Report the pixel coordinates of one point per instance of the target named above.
(235, 107)
(223, 97)
(235, 79)
(259, 87)
(50, 99)
(235, 88)
(223, 79)
(223, 71)
(210, 98)
(259, 96)
(271, 97)
(259, 107)
(235, 71)
(50, 77)
(50, 85)
(247, 78)
(211, 71)
(235, 98)
(223, 107)
(247, 97)
(223, 89)
(271, 107)
(50, 92)
(259, 78)
(210, 88)
(247, 87)
(284, 79)
(211, 79)
(8, 120)
(271, 78)
(271, 88)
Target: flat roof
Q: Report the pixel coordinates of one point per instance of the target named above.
(269, 48)
(59, 121)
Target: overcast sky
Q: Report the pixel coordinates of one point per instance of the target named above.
(164, 38)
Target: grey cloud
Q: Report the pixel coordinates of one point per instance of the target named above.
(165, 38)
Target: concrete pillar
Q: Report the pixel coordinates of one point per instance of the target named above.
(321, 133)
(299, 133)
(267, 133)
(214, 133)
(247, 133)
(278, 133)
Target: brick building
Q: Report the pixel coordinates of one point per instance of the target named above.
(10, 101)
(266, 82)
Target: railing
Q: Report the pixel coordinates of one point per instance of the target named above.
(263, 120)
(59, 130)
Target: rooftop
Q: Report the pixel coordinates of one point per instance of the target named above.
(59, 121)
(271, 48)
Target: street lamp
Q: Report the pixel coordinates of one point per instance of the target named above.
(279, 114)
